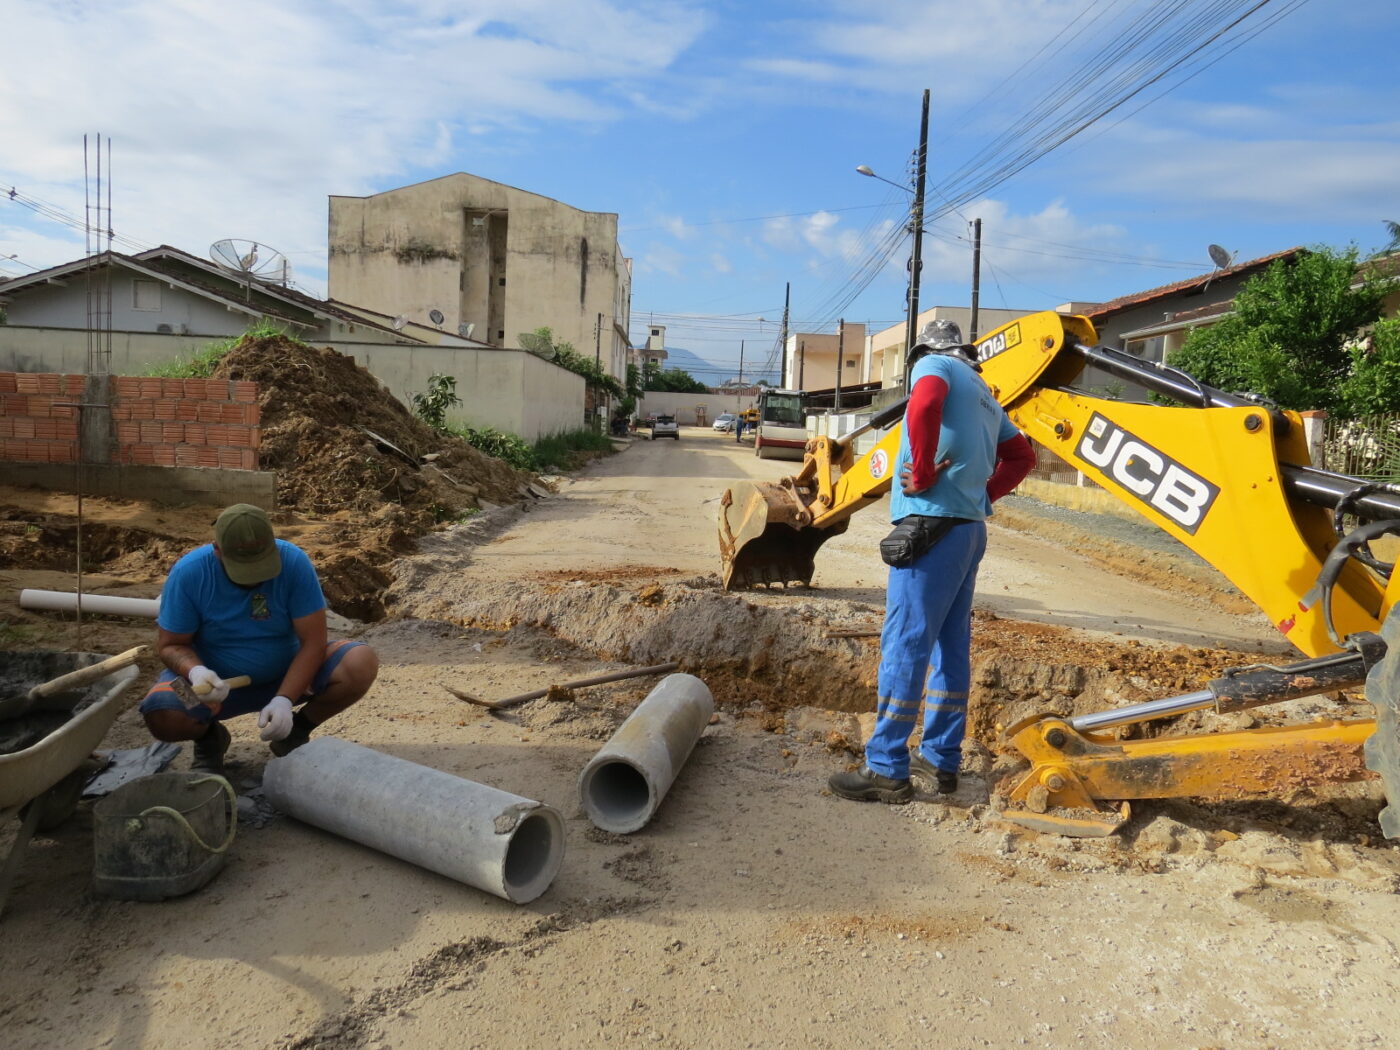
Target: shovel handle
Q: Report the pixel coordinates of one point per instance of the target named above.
(91, 673)
(204, 688)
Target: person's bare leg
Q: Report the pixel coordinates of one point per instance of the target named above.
(175, 726)
(350, 680)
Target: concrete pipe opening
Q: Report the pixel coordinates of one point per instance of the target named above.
(617, 796)
(533, 857)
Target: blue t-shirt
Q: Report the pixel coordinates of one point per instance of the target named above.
(240, 630)
(973, 426)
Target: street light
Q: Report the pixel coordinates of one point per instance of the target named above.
(916, 227)
(865, 169)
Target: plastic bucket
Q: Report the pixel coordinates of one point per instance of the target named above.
(163, 835)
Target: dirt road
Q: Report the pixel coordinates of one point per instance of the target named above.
(755, 910)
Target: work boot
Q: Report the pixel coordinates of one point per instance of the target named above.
(300, 734)
(209, 750)
(865, 785)
(920, 767)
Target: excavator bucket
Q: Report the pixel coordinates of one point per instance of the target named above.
(764, 535)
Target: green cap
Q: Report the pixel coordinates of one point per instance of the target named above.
(246, 545)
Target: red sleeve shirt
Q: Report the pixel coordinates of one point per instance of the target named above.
(1015, 458)
(923, 421)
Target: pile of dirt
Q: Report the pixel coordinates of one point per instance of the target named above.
(317, 405)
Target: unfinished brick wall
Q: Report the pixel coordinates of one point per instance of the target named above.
(32, 429)
(157, 422)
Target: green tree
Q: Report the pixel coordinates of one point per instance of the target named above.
(1393, 229)
(674, 380)
(1373, 387)
(1289, 336)
(542, 342)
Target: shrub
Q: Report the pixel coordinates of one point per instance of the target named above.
(201, 363)
(431, 405)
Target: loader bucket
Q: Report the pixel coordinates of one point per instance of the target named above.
(764, 538)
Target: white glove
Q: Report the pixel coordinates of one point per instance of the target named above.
(275, 720)
(207, 685)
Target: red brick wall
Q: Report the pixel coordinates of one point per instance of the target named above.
(160, 422)
(32, 430)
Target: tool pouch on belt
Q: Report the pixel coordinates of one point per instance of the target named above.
(913, 537)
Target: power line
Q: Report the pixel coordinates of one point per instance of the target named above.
(751, 218)
(56, 213)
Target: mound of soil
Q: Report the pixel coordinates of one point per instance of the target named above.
(316, 406)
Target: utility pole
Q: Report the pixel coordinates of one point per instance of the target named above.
(787, 300)
(916, 227)
(801, 364)
(840, 355)
(976, 274)
(739, 396)
(598, 342)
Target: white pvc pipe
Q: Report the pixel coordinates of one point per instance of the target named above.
(487, 838)
(110, 605)
(624, 783)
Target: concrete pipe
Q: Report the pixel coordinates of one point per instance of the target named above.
(487, 838)
(107, 604)
(624, 783)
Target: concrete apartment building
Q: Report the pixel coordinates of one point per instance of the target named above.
(885, 351)
(653, 351)
(490, 260)
(812, 358)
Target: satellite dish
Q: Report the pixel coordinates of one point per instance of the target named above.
(465, 330)
(251, 259)
(435, 316)
(398, 323)
(1220, 256)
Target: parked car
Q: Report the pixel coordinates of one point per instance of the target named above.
(665, 427)
(724, 422)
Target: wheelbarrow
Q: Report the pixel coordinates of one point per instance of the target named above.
(44, 752)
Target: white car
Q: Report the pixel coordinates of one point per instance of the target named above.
(665, 427)
(724, 422)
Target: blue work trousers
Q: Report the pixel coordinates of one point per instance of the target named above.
(926, 654)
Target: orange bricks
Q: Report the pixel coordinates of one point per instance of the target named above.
(210, 423)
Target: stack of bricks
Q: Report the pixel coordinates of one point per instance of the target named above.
(158, 422)
(186, 422)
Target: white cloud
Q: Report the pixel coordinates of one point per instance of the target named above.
(661, 258)
(1346, 178)
(799, 68)
(821, 237)
(720, 263)
(240, 119)
(1052, 242)
(36, 249)
(676, 227)
(955, 47)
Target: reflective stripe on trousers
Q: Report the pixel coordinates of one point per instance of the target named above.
(925, 654)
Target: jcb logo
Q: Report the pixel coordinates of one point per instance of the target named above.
(995, 344)
(1156, 479)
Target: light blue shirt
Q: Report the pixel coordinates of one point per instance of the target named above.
(240, 630)
(973, 426)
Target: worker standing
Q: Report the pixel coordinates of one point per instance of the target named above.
(958, 454)
(251, 604)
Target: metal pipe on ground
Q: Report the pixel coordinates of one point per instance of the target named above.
(106, 604)
(624, 783)
(498, 842)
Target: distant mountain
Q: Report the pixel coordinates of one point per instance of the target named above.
(712, 374)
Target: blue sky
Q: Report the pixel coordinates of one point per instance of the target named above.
(725, 135)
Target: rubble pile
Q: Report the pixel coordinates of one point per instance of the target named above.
(317, 405)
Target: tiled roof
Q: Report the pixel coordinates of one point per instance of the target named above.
(297, 298)
(1139, 298)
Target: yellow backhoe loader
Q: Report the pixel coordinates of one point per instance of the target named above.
(1228, 475)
